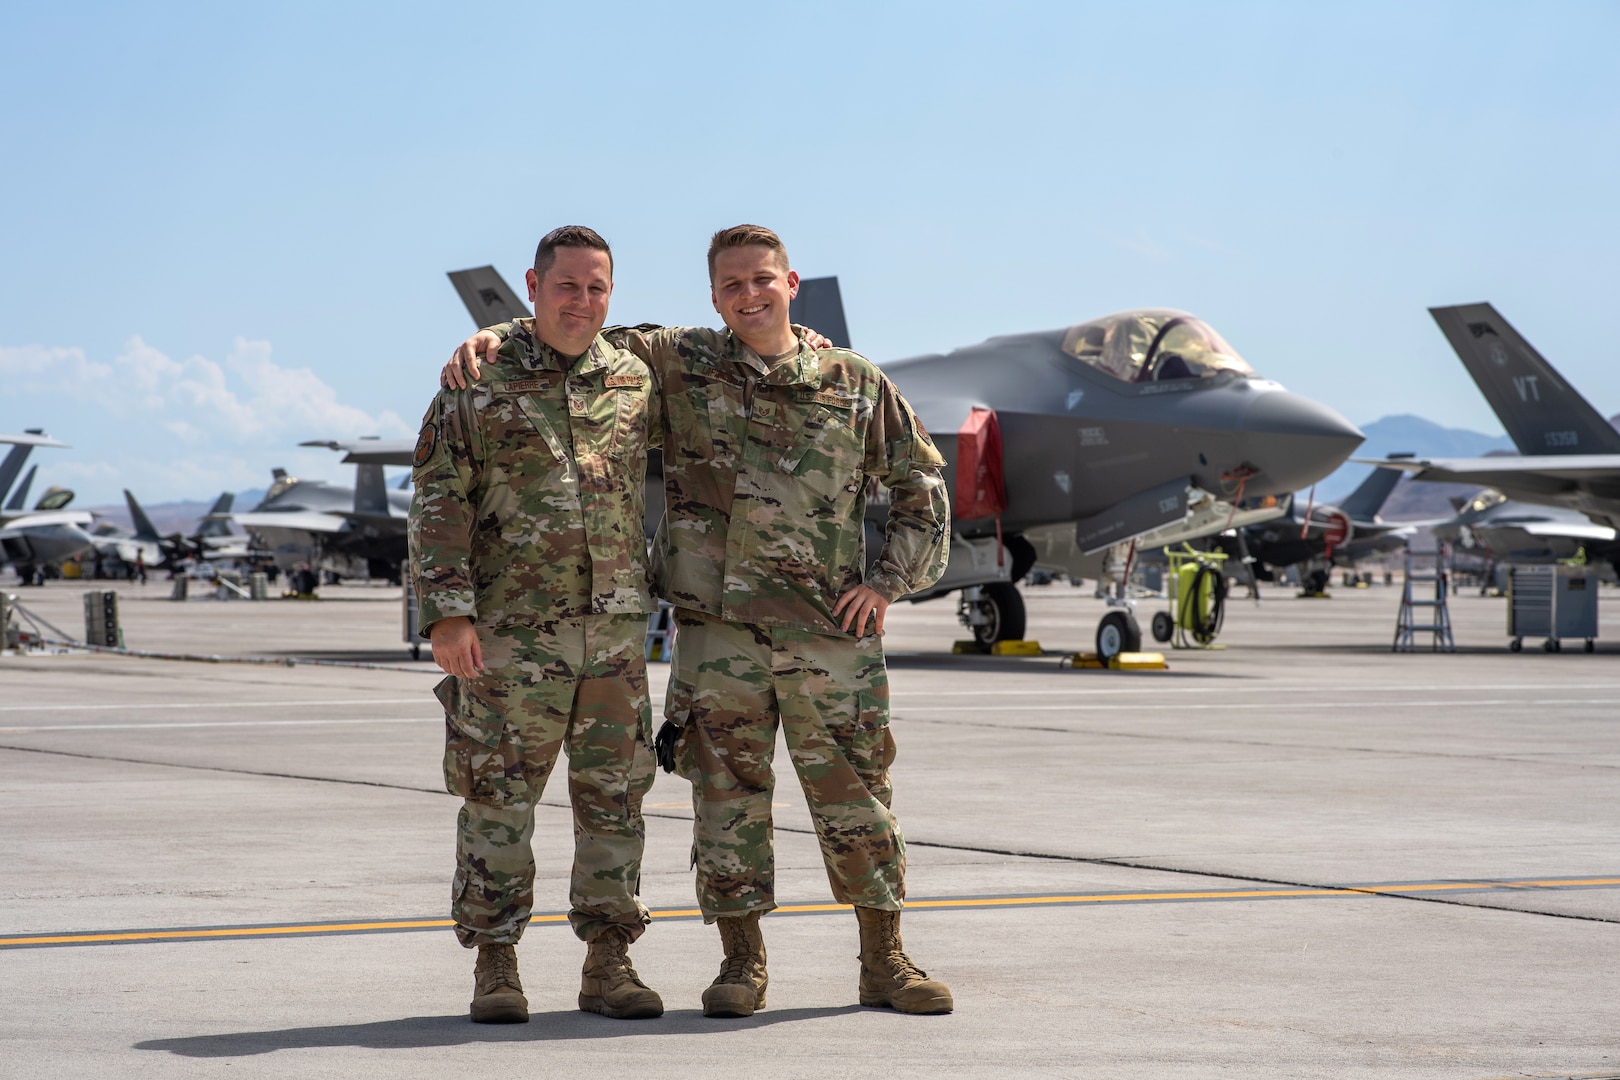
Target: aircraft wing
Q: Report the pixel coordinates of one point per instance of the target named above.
(31, 439)
(81, 518)
(1580, 530)
(371, 451)
(1558, 471)
(311, 521)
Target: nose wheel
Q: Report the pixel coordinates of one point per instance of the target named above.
(1117, 633)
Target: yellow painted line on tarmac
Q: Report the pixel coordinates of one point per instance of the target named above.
(308, 929)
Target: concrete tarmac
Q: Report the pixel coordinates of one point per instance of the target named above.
(1302, 856)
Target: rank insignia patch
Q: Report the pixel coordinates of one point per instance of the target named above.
(425, 443)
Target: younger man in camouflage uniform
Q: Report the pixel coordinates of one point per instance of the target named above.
(769, 446)
(528, 550)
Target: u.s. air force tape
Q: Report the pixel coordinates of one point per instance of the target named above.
(425, 443)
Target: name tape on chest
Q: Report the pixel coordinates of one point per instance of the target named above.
(524, 386)
(835, 399)
(615, 381)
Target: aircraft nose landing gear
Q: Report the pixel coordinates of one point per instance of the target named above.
(994, 612)
(1118, 633)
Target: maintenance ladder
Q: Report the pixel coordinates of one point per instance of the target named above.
(1406, 625)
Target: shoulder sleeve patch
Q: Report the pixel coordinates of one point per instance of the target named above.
(425, 443)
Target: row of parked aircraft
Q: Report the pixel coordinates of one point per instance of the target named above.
(1065, 448)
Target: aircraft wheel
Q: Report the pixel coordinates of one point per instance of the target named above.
(1591, 646)
(1003, 607)
(1515, 645)
(1117, 633)
(1163, 626)
(416, 651)
(1549, 645)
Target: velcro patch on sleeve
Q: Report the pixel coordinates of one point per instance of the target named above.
(613, 381)
(425, 443)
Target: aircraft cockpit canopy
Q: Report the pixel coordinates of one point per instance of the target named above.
(1153, 346)
(280, 487)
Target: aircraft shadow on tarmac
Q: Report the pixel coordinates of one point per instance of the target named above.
(420, 1032)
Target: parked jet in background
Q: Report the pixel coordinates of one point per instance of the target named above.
(1338, 535)
(354, 532)
(1571, 454)
(117, 548)
(37, 541)
(1505, 531)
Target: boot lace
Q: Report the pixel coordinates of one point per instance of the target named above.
(900, 965)
(501, 967)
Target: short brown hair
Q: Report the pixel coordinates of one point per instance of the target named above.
(568, 236)
(743, 236)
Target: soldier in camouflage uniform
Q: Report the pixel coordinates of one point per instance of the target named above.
(769, 449)
(529, 556)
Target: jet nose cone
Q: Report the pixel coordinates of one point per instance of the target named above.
(1295, 441)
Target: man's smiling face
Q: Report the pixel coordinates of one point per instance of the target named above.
(571, 302)
(751, 289)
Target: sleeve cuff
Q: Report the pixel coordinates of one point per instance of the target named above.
(887, 584)
(448, 604)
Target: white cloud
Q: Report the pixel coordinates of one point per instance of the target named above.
(196, 424)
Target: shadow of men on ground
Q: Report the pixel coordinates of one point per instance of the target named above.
(417, 1032)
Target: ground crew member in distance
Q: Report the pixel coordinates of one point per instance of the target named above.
(768, 448)
(529, 555)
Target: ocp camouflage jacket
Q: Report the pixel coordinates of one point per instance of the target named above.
(530, 501)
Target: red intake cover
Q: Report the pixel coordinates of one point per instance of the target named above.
(981, 491)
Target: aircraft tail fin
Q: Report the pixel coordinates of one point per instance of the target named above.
(820, 306)
(1543, 414)
(19, 501)
(144, 529)
(217, 521)
(1364, 503)
(370, 491)
(16, 458)
(487, 296)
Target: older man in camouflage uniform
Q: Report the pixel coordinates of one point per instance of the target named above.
(529, 553)
(769, 448)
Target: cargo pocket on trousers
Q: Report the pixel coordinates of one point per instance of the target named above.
(872, 750)
(481, 762)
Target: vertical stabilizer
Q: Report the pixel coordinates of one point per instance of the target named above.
(16, 458)
(20, 500)
(1542, 413)
(488, 298)
(1364, 503)
(820, 306)
(217, 522)
(370, 491)
(144, 529)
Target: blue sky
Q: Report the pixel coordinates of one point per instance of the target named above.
(226, 227)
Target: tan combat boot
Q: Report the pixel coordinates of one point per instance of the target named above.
(610, 986)
(739, 989)
(888, 977)
(497, 992)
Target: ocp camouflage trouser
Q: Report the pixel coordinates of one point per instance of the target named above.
(731, 683)
(580, 684)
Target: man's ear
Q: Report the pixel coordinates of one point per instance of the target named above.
(793, 284)
(532, 279)
(714, 299)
